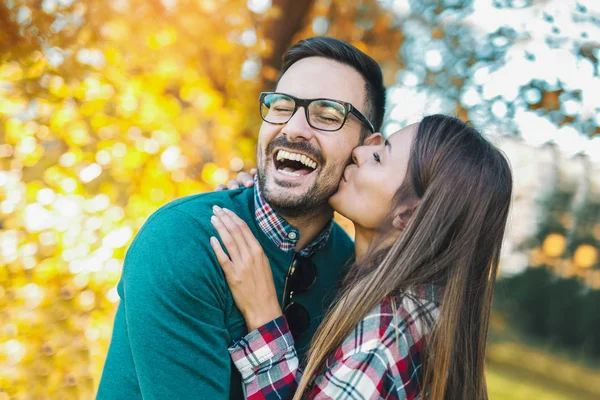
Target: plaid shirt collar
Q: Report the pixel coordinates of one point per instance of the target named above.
(284, 235)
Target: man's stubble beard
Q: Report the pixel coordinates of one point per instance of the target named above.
(312, 202)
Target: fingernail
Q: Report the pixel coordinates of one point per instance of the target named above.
(216, 209)
(213, 240)
(213, 220)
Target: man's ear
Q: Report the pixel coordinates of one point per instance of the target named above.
(373, 139)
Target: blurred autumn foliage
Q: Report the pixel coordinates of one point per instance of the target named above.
(107, 111)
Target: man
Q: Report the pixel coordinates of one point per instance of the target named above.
(177, 317)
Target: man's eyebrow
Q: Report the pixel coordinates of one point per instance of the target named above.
(388, 145)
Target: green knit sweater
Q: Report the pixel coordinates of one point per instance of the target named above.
(177, 317)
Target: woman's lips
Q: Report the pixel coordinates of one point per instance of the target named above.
(344, 175)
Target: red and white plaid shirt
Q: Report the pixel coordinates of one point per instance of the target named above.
(284, 235)
(381, 358)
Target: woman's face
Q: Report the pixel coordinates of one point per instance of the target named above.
(369, 184)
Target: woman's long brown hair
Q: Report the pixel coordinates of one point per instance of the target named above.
(461, 186)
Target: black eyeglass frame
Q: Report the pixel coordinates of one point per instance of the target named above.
(350, 109)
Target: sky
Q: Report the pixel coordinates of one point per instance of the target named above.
(567, 23)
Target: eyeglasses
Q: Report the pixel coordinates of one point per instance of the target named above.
(322, 114)
(301, 277)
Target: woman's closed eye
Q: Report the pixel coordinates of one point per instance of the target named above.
(376, 157)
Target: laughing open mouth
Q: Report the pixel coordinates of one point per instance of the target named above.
(294, 164)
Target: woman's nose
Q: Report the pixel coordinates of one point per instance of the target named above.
(357, 155)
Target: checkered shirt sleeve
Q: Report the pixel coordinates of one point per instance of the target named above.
(380, 359)
(267, 361)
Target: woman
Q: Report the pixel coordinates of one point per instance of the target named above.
(429, 207)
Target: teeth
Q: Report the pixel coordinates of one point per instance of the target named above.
(282, 154)
(289, 173)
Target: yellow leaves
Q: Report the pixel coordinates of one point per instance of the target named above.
(162, 38)
(190, 91)
(157, 185)
(157, 195)
(12, 106)
(57, 87)
(247, 147)
(224, 45)
(133, 159)
(77, 134)
(166, 37)
(31, 154)
(93, 89)
(191, 186)
(98, 120)
(11, 71)
(27, 148)
(62, 116)
(45, 109)
(32, 190)
(170, 108)
(187, 123)
(36, 69)
(213, 174)
(86, 300)
(42, 132)
(362, 46)
(167, 135)
(115, 30)
(119, 150)
(208, 6)
(135, 132)
(202, 96)
(139, 206)
(127, 103)
(168, 68)
(46, 270)
(148, 111)
(69, 185)
(208, 102)
(53, 176)
(113, 56)
(13, 129)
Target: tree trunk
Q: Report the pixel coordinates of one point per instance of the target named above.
(281, 32)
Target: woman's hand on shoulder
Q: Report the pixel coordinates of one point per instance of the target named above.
(247, 269)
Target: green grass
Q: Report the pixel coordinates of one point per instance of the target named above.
(516, 371)
(510, 383)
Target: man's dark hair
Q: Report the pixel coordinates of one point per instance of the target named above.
(345, 53)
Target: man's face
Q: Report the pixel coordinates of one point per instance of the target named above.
(292, 188)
